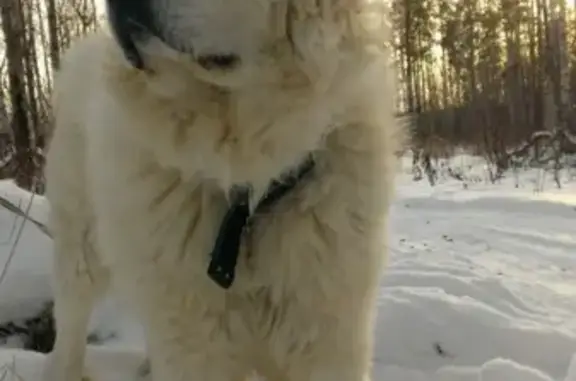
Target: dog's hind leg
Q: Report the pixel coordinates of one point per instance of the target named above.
(79, 281)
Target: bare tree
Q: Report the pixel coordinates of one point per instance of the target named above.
(34, 34)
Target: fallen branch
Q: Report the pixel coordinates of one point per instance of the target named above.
(5, 203)
(13, 249)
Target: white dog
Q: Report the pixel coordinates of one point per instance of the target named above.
(183, 123)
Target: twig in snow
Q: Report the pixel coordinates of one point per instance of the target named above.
(8, 372)
(17, 239)
(5, 203)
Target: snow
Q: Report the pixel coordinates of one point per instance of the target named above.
(481, 284)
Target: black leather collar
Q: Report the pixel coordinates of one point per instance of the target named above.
(222, 268)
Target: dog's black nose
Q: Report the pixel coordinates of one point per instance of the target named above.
(218, 61)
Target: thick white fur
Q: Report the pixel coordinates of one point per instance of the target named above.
(138, 172)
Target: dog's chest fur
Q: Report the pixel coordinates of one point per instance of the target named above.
(240, 144)
(248, 137)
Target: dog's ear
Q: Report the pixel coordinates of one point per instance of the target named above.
(131, 21)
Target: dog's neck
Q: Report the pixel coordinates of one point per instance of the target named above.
(226, 250)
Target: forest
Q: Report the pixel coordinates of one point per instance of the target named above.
(495, 78)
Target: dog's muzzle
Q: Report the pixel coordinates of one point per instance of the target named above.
(132, 21)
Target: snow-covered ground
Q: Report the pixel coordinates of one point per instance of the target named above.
(481, 284)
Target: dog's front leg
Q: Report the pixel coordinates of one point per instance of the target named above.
(79, 280)
(191, 351)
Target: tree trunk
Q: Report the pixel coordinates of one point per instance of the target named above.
(14, 39)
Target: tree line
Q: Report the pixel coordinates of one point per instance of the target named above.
(496, 77)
